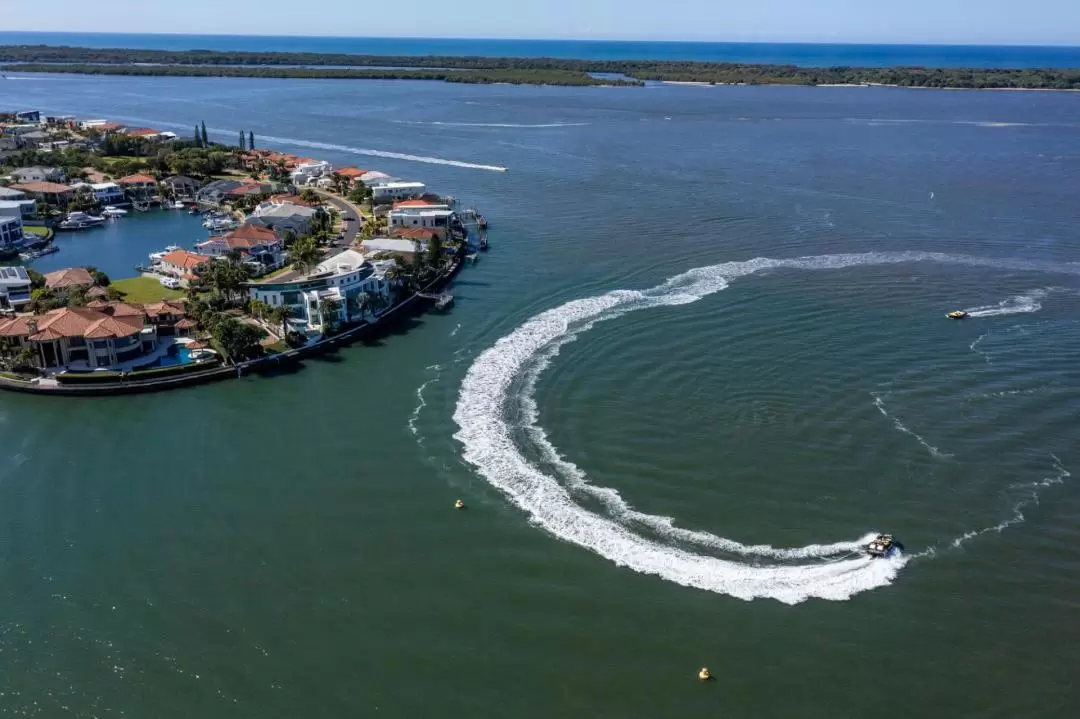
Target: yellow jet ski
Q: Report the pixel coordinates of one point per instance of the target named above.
(957, 315)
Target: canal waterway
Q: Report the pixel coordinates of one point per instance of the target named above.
(117, 246)
(722, 306)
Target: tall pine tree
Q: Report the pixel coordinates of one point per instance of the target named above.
(205, 142)
(251, 140)
(242, 139)
(198, 138)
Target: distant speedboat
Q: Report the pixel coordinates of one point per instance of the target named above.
(178, 205)
(957, 315)
(80, 221)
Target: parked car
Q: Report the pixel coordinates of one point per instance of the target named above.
(171, 282)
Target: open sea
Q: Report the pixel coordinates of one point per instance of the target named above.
(705, 358)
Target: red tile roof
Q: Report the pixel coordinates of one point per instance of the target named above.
(185, 259)
(416, 233)
(72, 322)
(71, 277)
(142, 132)
(350, 172)
(137, 179)
(48, 188)
(415, 203)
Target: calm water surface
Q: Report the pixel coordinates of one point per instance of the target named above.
(287, 547)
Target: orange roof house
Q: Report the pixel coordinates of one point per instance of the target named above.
(137, 179)
(66, 279)
(184, 260)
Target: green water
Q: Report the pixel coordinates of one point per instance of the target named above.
(288, 547)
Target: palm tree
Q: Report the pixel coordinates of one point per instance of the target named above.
(304, 253)
(328, 309)
(280, 316)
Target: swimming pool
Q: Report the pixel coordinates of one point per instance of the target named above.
(177, 354)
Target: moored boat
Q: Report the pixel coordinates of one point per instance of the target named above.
(80, 221)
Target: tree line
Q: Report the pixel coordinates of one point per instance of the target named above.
(553, 71)
(476, 77)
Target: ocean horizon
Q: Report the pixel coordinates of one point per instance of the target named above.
(801, 53)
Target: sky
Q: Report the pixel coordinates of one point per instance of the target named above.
(1002, 22)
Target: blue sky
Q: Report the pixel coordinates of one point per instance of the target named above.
(1050, 22)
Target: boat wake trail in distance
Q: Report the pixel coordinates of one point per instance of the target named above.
(1020, 304)
(386, 154)
(500, 384)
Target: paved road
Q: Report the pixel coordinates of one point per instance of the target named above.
(347, 210)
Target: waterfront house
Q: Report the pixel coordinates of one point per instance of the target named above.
(169, 316)
(69, 278)
(32, 116)
(11, 194)
(182, 263)
(308, 170)
(283, 217)
(181, 186)
(108, 193)
(11, 234)
(247, 188)
(138, 182)
(15, 288)
(145, 133)
(352, 174)
(383, 191)
(81, 336)
(23, 209)
(38, 174)
(341, 279)
(255, 244)
(423, 234)
(372, 176)
(102, 126)
(214, 192)
(421, 217)
(48, 192)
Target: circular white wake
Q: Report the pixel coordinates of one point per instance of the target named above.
(516, 360)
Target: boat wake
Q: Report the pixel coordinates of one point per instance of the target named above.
(879, 402)
(522, 125)
(500, 385)
(384, 153)
(1020, 304)
(414, 418)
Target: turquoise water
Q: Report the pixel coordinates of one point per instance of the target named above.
(720, 306)
(178, 354)
(807, 54)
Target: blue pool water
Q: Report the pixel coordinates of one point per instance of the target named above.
(178, 354)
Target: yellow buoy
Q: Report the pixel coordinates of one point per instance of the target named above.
(704, 675)
(459, 505)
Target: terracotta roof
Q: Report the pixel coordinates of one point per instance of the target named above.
(122, 309)
(141, 132)
(251, 233)
(185, 259)
(71, 277)
(165, 307)
(136, 179)
(350, 172)
(108, 127)
(43, 187)
(96, 291)
(185, 324)
(197, 345)
(415, 203)
(84, 322)
(97, 304)
(16, 327)
(246, 189)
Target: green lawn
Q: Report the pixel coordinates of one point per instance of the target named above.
(145, 289)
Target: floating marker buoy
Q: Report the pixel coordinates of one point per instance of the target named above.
(459, 504)
(704, 675)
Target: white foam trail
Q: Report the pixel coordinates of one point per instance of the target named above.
(454, 331)
(382, 153)
(879, 402)
(506, 372)
(421, 402)
(1034, 490)
(495, 124)
(1020, 304)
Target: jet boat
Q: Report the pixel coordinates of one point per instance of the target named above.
(957, 315)
(884, 546)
